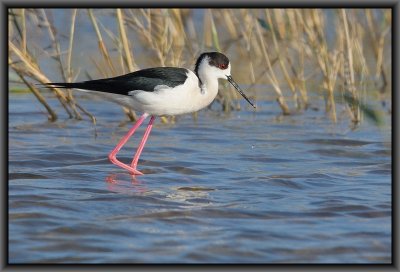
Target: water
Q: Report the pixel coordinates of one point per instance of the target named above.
(242, 187)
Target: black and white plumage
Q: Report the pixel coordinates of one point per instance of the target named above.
(164, 90)
(161, 91)
(146, 80)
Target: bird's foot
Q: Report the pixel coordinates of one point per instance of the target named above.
(132, 169)
(135, 172)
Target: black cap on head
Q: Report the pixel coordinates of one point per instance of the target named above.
(216, 59)
(220, 61)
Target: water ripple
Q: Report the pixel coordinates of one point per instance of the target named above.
(226, 188)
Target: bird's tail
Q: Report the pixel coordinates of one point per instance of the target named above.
(64, 85)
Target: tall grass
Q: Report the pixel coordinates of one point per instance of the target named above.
(295, 54)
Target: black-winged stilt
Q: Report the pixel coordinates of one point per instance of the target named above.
(161, 91)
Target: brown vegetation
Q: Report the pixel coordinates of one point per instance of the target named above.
(292, 50)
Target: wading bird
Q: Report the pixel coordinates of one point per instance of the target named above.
(161, 91)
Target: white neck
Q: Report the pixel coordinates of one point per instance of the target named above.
(208, 79)
(209, 85)
(208, 92)
(208, 76)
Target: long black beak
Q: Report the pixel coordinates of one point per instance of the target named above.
(234, 84)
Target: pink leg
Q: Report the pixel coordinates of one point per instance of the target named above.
(142, 143)
(113, 153)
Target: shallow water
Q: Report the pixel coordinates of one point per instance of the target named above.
(243, 187)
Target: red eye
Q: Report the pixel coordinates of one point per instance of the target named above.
(222, 66)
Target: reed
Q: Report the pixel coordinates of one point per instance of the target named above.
(68, 74)
(281, 53)
(350, 80)
(271, 75)
(378, 31)
(52, 115)
(101, 45)
(126, 60)
(125, 44)
(295, 51)
(27, 67)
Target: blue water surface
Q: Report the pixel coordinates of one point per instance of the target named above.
(243, 187)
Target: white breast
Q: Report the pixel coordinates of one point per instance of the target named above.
(164, 100)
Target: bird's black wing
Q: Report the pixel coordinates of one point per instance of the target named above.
(145, 80)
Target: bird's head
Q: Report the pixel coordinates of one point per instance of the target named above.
(217, 65)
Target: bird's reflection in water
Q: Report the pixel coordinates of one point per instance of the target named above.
(125, 183)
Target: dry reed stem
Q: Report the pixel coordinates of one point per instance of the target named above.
(117, 42)
(52, 114)
(100, 43)
(34, 70)
(214, 33)
(349, 55)
(271, 75)
(106, 56)
(227, 15)
(10, 24)
(177, 36)
(280, 54)
(279, 16)
(157, 33)
(57, 57)
(299, 41)
(69, 59)
(245, 35)
(128, 55)
(30, 68)
(15, 23)
(297, 32)
(134, 22)
(150, 35)
(99, 67)
(69, 98)
(328, 62)
(55, 44)
(23, 31)
(348, 46)
(71, 43)
(207, 36)
(377, 45)
(246, 26)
